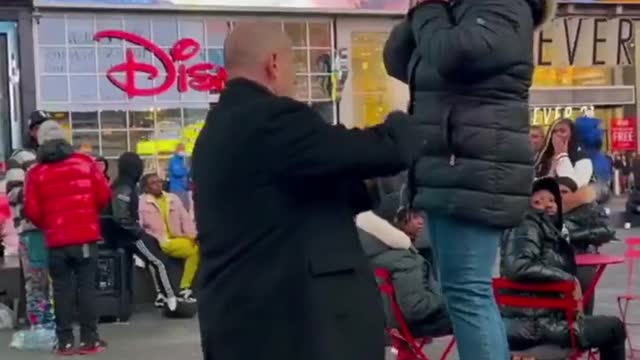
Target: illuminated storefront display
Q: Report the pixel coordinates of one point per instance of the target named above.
(389, 6)
(624, 134)
(143, 82)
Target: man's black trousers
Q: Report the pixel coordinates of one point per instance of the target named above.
(73, 271)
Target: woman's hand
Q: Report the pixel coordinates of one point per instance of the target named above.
(560, 145)
(577, 295)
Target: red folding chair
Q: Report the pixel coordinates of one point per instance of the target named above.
(502, 289)
(408, 347)
(631, 255)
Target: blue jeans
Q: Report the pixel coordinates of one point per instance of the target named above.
(465, 255)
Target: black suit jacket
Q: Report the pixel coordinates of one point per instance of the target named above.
(283, 275)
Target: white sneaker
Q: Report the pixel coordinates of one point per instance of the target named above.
(627, 225)
(186, 295)
(160, 302)
(172, 303)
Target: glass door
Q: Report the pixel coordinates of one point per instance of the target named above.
(369, 94)
(10, 124)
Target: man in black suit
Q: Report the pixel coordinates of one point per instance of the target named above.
(276, 191)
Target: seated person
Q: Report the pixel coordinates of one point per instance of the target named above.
(417, 292)
(163, 216)
(586, 221)
(537, 251)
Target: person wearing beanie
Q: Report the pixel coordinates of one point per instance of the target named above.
(31, 248)
(538, 251)
(64, 195)
(126, 228)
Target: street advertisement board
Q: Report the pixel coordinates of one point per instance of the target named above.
(623, 134)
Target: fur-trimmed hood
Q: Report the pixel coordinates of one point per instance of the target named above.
(583, 196)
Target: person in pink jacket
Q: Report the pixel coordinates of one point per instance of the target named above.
(163, 216)
(8, 233)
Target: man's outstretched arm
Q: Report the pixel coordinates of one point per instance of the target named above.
(306, 146)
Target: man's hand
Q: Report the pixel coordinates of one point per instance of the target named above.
(560, 145)
(406, 135)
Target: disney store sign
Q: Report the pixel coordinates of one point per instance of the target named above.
(173, 71)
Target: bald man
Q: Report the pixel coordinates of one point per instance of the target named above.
(276, 189)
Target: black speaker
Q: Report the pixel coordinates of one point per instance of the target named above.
(113, 284)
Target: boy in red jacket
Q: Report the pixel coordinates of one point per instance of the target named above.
(64, 194)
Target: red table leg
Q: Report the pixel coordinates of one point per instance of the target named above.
(586, 296)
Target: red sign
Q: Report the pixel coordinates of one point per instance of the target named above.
(623, 134)
(205, 77)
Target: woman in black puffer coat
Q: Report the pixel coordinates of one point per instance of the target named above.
(537, 251)
(468, 65)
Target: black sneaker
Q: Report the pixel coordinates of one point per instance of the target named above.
(65, 349)
(92, 348)
(186, 295)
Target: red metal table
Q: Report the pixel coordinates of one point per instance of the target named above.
(600, 261)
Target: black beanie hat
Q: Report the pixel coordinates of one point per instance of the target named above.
(551, 185)
(568, 182)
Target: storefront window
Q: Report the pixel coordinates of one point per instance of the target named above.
(86, 140)
(113, 119)
(84, 120)
(72, 71)
(113, 141)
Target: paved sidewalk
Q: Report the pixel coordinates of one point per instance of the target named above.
(149, 336)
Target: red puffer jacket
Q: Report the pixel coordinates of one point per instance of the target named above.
(64, 194)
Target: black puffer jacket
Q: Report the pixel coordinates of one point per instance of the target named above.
(417, 292)
(469, 76)
(536, 252)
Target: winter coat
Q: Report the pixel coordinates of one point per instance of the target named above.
(586, 222)
(275, 206)
(8, 233)
(416, 290)
(178, 174)
(20, 161)
(122, 227)
(152, 220)
(536, 252)
(64, 195)
(632, 208)
(469, 76)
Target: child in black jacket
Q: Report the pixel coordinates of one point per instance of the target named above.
(538, 251)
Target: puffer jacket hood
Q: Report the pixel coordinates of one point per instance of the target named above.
(416, 290)
(54, 151)
(535, 252)
(130, 168)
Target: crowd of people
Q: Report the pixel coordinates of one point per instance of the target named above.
(60, 209)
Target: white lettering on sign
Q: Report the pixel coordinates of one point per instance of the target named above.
(546, 115)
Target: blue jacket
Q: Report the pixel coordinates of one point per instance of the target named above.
(178, 174)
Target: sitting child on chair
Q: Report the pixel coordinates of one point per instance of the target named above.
(539, 251)
(416, 290)
(164, 216)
